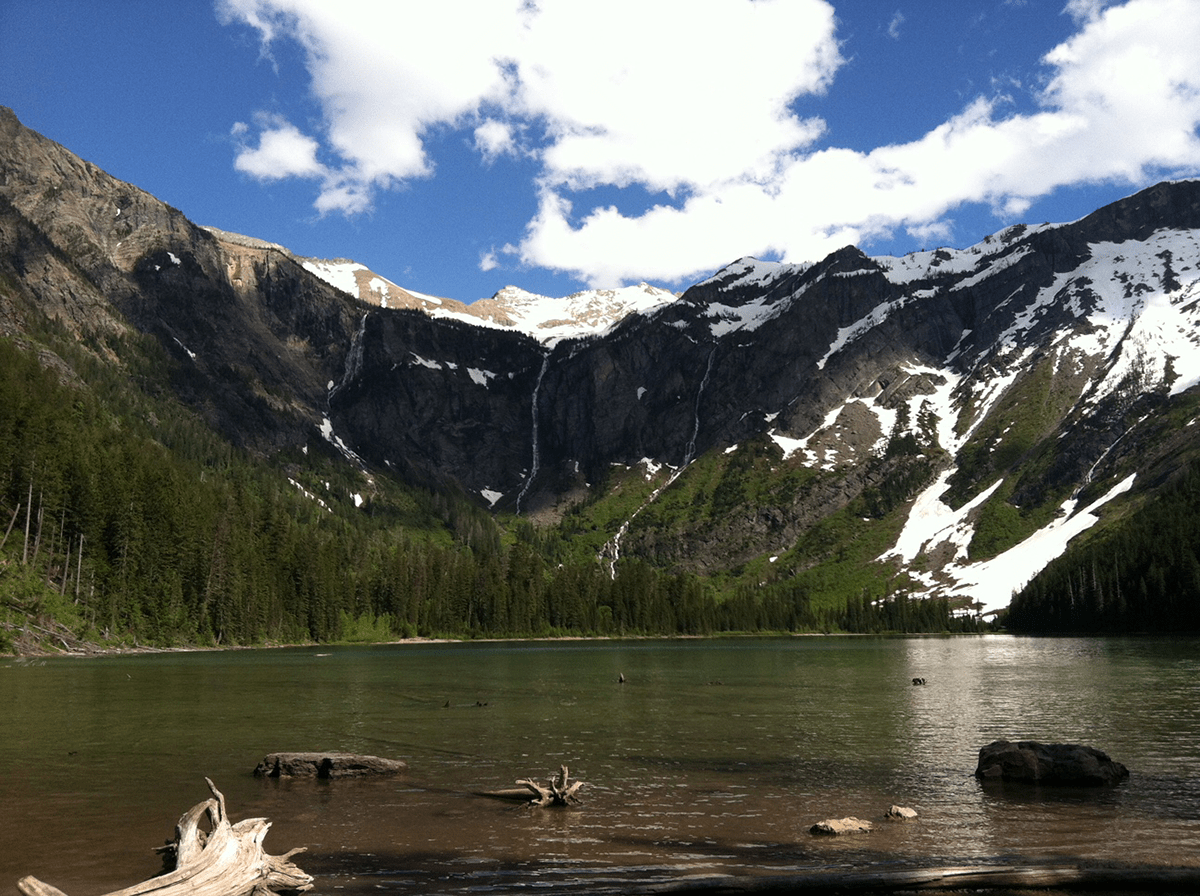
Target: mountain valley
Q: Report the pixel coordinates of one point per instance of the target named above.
(830, 437)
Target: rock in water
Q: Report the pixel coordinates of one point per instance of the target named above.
(326, 765)
(839, 826)
(1035, 763)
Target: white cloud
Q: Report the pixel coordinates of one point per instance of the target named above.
(282, 151)
(893, 28)
(700, 107)
(1085, 10)
(495, 138)
(1123, 98)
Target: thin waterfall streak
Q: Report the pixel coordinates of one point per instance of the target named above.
(354, 357)
(1087, 478)
(691, 446)
(536, 461)
(613, 547)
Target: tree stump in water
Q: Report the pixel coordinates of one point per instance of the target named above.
(227, 860)
(558, 792)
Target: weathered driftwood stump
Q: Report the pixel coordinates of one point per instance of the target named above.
(226, 860)
(560, 791)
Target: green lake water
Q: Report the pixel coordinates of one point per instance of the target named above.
(713, 758)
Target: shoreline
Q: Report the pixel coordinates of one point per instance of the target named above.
(25, 649)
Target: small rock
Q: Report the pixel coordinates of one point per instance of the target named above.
(837, 827)
(901, 813)
(326, 765)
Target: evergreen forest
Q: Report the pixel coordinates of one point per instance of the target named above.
(1141, 575)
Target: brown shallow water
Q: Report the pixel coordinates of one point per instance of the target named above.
(714, 758)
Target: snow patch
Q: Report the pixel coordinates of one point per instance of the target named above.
(425, 362)
(306, 493)
(591, 312)
(191, 354)
(863, 325)
(789, 445)
(337, 273)
(992, 583)
(989, 583)
(751, 271)
(333, 439)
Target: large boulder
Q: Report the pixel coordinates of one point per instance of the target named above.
(326, 765)
(1035, 763)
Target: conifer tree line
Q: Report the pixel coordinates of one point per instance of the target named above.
(1141, 576)
(128, 521)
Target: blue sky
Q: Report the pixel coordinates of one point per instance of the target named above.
(457, 148)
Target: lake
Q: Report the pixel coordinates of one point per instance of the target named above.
(713, 757)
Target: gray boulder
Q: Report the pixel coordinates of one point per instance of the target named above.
(326, 765)
(1035, 763)
(837, 827)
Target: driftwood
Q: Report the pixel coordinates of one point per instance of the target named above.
(560, 791)
(227, 860)
(327, 765)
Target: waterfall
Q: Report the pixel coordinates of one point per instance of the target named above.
(536, 461)
(690, 455)
(612, 548)
(354, 358)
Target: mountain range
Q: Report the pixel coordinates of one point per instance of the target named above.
(941, 424)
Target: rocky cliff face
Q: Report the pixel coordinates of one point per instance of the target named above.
(947, 391)
(257, 338)
(798, 352)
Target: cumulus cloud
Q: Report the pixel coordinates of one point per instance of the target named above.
(495, 138)
(282, 151)
(702, 109)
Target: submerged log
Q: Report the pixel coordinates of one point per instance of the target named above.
(327, 765)
(225, 860)
(560, 791)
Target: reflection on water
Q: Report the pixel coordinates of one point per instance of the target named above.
(712, 758)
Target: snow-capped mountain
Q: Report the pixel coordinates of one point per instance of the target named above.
(546, 319)
(1010, 373)
(951, 417)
